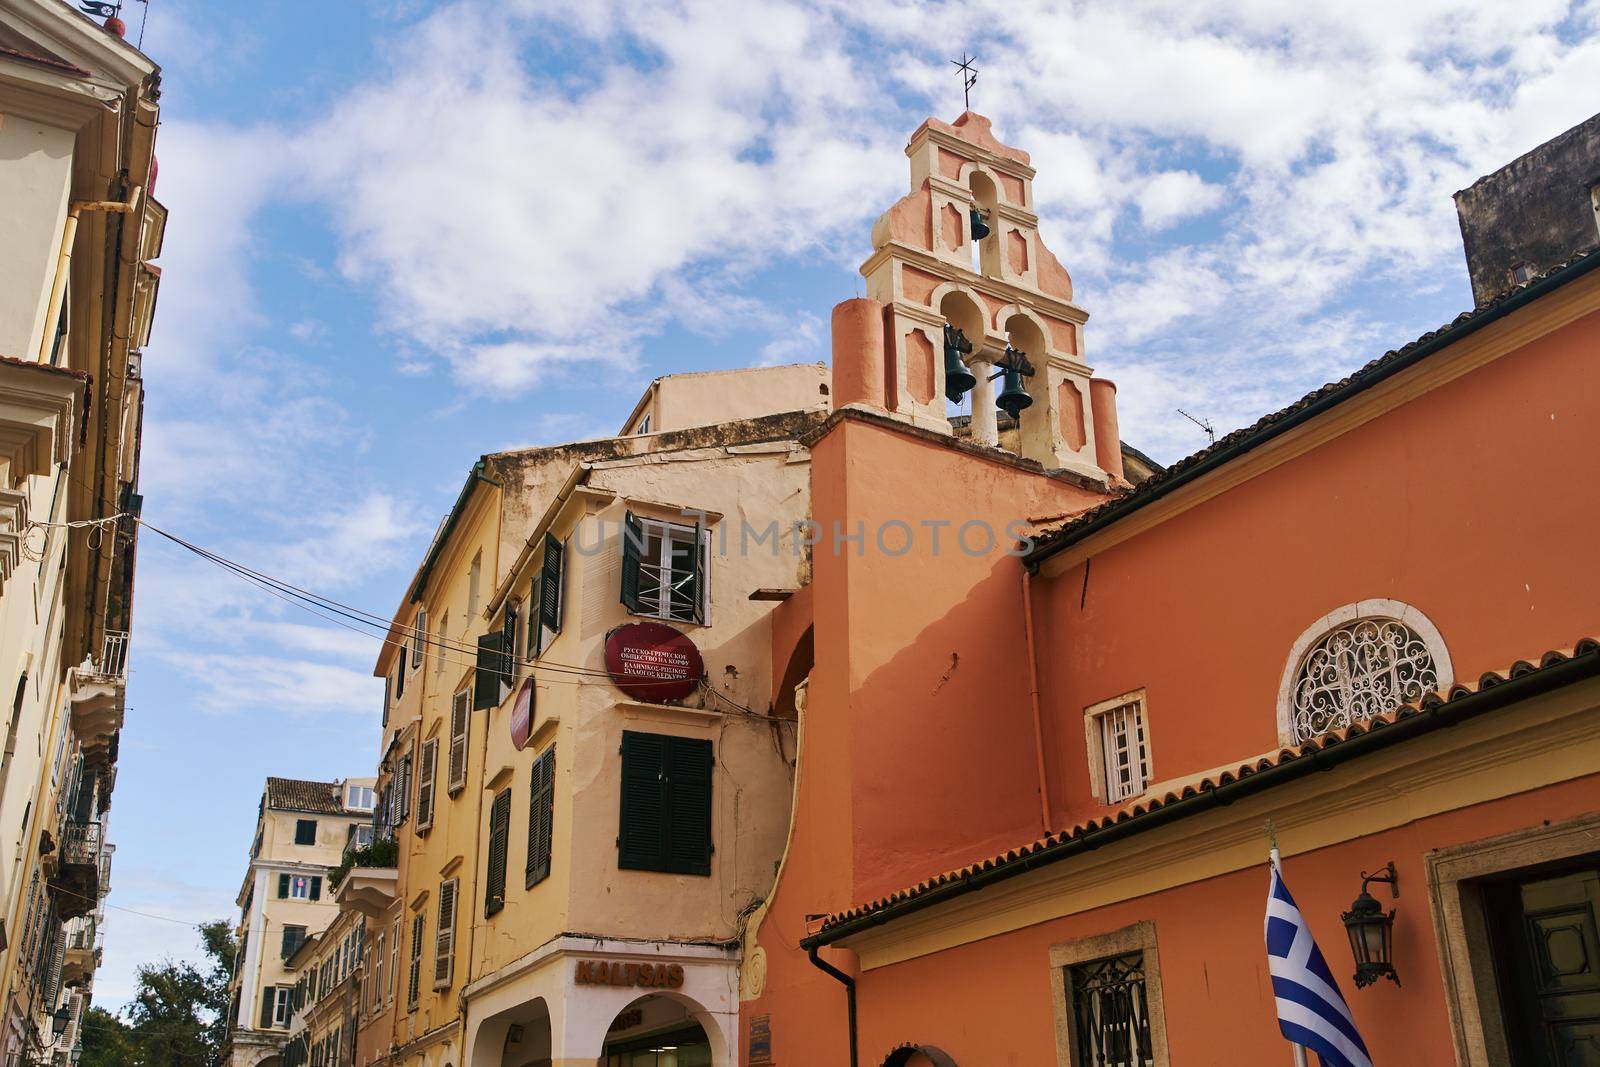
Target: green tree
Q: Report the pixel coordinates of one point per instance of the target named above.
(106, 1040)
(178, 1016)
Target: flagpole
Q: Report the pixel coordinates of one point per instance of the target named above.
(1298, 1051)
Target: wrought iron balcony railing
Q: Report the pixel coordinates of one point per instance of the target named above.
(81, 844)
(114, 654)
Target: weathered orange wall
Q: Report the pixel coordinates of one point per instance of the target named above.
(953, 768)
(988, 1003)
(1466, 504)
(1469, 505)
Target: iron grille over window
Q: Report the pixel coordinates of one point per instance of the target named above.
(1110, 1018)
(1366, 668)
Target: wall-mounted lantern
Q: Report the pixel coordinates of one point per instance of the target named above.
(1371, 930)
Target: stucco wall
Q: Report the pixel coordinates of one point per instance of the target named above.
(1416, 506)
(35, 179)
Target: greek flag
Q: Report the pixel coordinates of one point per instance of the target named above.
(1311, 1012)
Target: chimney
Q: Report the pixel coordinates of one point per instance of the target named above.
(1534, 214)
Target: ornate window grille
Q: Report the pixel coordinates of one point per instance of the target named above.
(1359, 670)
(1110, 1017)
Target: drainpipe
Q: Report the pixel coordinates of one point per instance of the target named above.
(1033, 697)
(849, 993)
(69, 234)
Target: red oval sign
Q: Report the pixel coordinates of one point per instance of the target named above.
(522, 716)
(652, 662)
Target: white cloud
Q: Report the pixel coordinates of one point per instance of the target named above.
(1175, 195)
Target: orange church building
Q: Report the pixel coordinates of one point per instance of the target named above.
(1040, 760)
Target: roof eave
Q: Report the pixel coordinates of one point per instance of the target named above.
(1582, 665)
(1441, 340)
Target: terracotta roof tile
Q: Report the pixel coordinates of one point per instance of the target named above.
(294, 794)
(43, 61)
(33, 364)
(1146, 806)
(1156, 484)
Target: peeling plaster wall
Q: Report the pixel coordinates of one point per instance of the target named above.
(1537, 211)
(586, 892)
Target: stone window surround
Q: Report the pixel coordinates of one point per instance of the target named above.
(1361, 609)
(1461, 932)
(1096, 745)
(1139, 937)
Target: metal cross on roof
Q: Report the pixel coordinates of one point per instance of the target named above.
(969, 77)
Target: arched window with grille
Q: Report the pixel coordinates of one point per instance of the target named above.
(1358, 662)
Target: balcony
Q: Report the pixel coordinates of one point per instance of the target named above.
(77, 879)
(82, 955)
(98, 688)
(367, 880)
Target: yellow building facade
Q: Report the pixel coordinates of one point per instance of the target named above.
(303, 831)
(80, 228)
(575, 859)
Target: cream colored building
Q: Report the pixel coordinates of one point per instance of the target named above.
(303, 830)
(523, 874)
(78, 230)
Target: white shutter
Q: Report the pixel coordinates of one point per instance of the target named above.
(420, 640)
(1125, 751)
(444, 949)
(425, 783)
(460, 711)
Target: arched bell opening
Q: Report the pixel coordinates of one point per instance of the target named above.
(664, 1030)
(965, 316)
(1025, 335)
(982, 217)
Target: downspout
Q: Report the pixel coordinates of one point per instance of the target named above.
(69, 235)
(1033, 697)
(849, 993)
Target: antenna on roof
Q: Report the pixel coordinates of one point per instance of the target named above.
(1204, 424)
(969, 77)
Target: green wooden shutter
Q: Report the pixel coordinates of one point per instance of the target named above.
(283, 887)
(689, 769)
(550, 585)
(641, 838)
(632, 546)
(494, 897)
(316, 887)
(541, 818)
(486, 677)
(268, 998)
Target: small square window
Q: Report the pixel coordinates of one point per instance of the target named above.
(1119, 748)
(1521, 274)
(305, 831)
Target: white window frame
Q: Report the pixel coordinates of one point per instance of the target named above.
(359, 797)
(474, 580)
(303, 880)
(282, 1006)
(663, 568)
(1105, 724)
(419, 639)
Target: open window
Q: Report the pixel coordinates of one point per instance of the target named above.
(666, 569)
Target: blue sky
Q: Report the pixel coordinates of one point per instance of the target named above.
(405, 234)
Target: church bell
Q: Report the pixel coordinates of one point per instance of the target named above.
(1013, 398)
(958, 380)
(980, 228)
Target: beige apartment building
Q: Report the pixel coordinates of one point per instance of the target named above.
(79, 229)
(577, 846)
(303, 831)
